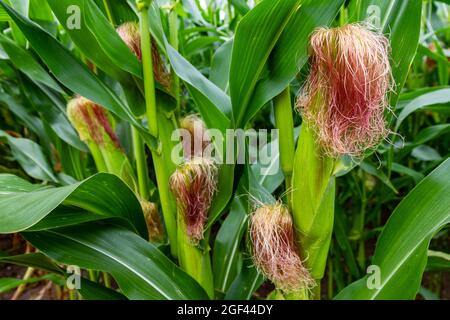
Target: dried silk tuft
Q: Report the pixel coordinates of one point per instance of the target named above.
(153, 221)
(274, 248)
(194, 184)
(345, 95)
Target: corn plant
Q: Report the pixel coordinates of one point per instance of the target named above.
(134, 151)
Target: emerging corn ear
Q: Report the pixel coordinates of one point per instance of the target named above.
(93, 126)
(275, 250)
(344, 98)
(193, 184)
(342, 106)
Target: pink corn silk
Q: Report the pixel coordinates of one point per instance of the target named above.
(344, 98)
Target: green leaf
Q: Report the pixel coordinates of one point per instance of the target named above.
(220, 65)
(426, 153)
(93, 291)
(247, 282)
(393, 18)
(372, 170)
(291, 51)
(31, 157)
(35, 260)
(200, 44)
(52, 110)
(401, 251)
(25, 62)
(241, 6)
(438, 261)
(140, 269)
(109, 40)
(256, 36)
(417, 176)
(7, 284)
(24, 113)
(226, 253)
(214, 105)
(77, 77)
(104, 195)
(67, 11)
(431, 98)
(340, 232)
(89, 290)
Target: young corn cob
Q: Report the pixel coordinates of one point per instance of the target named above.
(93, 126)
(275, 250)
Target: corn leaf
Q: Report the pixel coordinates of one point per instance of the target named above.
(140, 269)
(104, 195)
(290, 52)
(401, 251)
(31, 157)
(256, 36)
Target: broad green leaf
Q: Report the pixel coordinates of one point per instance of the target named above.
(246, 283)
(200, 44)
(241, 6)
(226, 253)
(220, 65)
(417, 176)
(7, 284)
(109, 40)
(31, 157)
(401, 251)
(291, 51)
(78, 77)
(426, 153)
(393, 18)
(140, 269)
(214, 105)
(25, 62)
(52, 110)
(103, 194)
(431, 133)
(424, 136)
(23, 7)
(24, 113)
(93, 291)
(436, 97)
(34, 260)
(88, 289)
(438, 261)
(340, 232)
(72, 17)
(256, 36)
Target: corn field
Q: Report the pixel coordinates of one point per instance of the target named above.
(224, 149)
